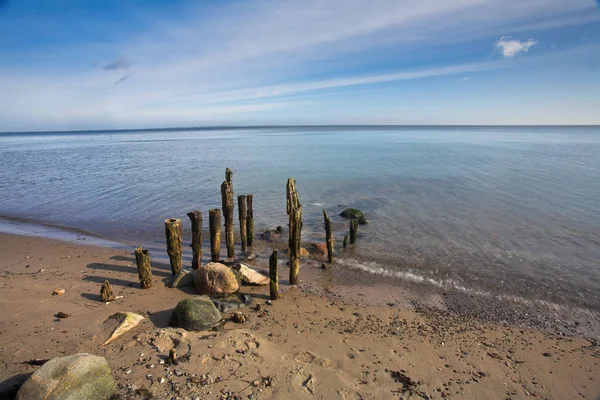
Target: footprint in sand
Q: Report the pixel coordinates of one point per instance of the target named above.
(310, 358)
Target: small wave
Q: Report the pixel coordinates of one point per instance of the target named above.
(316, 204)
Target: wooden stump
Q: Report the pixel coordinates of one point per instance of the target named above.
(294, 210)
(106, 292)
(274, 284)
(243, 216)
(174, 239)
(214, 220)
(328, 236)
(249, 220)
(196, 218)
(227, 205)
(353, 231)
(345, 242)
(142, 258)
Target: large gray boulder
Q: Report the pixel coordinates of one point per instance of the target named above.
(195, 314)
(215, 278)
(77, 377)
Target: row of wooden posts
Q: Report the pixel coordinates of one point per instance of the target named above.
(174, 236)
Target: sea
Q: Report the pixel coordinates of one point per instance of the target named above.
(503, 211)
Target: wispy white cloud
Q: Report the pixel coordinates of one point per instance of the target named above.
(464, 79)
(509, 47)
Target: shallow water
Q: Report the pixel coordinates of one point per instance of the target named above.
(511, 211)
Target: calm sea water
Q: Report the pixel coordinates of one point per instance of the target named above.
(507, 211)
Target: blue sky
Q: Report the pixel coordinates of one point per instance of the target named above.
(79, 64)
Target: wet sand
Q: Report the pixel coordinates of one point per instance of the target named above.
(321, 340)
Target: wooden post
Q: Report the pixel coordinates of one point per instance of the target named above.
(196, 218)
(353, 230)
(214, 221)
(249, 220)
(106, 292)
(174, 238)
(227, 205)
(345, 243)
(274, 284)
(242, 213)
(294, 210)
(328, 236)
(142, 258)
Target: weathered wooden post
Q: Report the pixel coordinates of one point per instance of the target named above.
(249, 220)
(345, 242)
(214, 222)
(242, 213)
(196, 218)
(294, 210)
(274, 284)
(142, 258)
(227, 205)
(353, 230)
(106, 292)
(174, 239)
(328, 236)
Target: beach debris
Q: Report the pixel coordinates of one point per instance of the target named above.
(58, 292)
(249, 276)
(345, 242)
(196, 219)
(145, 394)
(408, 385)
(62, 315)
(328, 236)
(353, 231)
(174, 238)
(294, 211)
(274, 278)
(89, 377)
(128, 321)
(106, 292)
(309, 384)
(36, 361)
(182, 279)
(249, 220)
(238, 317)
(195, 314)
(173, 356)
(214, 222)
(142, 258)
(228, 304)
(352, 213)
(215, 278)
(243, 217)
(227, 206)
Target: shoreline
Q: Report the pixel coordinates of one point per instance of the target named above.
(348, 343)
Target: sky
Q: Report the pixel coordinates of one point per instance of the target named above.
(110, 64)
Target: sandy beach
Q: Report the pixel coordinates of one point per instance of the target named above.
(309, 344)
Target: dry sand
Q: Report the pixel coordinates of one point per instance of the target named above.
(309, 344)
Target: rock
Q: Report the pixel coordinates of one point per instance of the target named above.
(352, 213)
(76, 377)
(238, 317)
(58, 292)
(363, 221)
(247, 256)
(249, 276)
(319, 248)
(323, 266)
(303, 252)
(195, 314)
(62, 315)
(215, 278)
(225, 305)
(181, 279)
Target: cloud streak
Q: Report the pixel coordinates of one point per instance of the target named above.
(120, 63)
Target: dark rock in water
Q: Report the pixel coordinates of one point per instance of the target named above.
(228, 304)
(352, 213)
(363, 221)
(195, 314)
(272, 234)
(77, 377)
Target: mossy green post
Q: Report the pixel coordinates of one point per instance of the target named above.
(249, 220)
(142, 259)
(274, 283)
(243, 216)
(294, 210)
(214, 222)
(345, 242)
(328, 236)
(174, 236)
(196, 218)
(227, 206)
(353, 231)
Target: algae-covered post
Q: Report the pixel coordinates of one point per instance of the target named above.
(227, 205)
(242, 213)
(328, 236)
(196, 218)
(142, 259)
(214, 222)
(345, 242)
(174, 239)
(353, 230)
(249, 220)
(274, 284)
(106, 292)
(294, 210)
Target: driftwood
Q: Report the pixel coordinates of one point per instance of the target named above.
(227, 205)
(249, 220)
(243, 216)
(294, 210)
(196, 218)
(274, 283)
(214, 220)
(142, 258)
(106, 292)
(174, 238)
(328, 236)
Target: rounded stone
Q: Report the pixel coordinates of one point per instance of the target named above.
(195, 314)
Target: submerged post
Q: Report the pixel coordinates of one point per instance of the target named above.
(249, 220)
(345, 242)
(353, 230)
(294, 210)
(274, 284)
(174, 239)
(196, 218)
(142, 259)
(328, 236)
(106, 292)
(214, 222)
(227, 205)
(242, 213)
